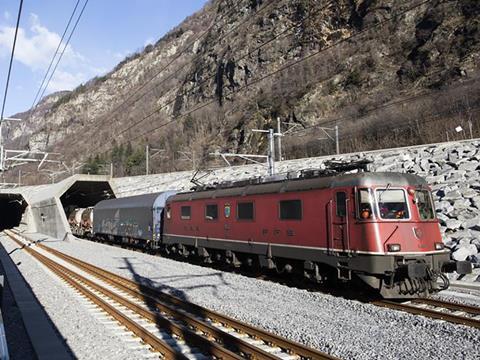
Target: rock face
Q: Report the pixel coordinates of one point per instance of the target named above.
(235, 66)
(455, 185)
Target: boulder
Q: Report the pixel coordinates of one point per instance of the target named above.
(455, 176)
(469, 166)
(453, 224)
(461, 203)
(462, 235)
(475, 202)
(452, 195)
(435, 179)
(444, 207)
(442, 218)
(473, 224)
(463, 252)
(469, 193)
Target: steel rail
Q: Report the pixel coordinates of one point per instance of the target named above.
(456, 319)
(184, 331)
(143, 334)
(469, 309)
(161, 298)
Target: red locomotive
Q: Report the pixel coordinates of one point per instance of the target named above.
(377, 227)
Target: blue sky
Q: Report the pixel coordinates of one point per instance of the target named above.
(108, 31)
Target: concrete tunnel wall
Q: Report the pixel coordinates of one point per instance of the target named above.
(44, 207)
(50, 218)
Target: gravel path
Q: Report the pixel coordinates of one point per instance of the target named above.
(84, 334)
(344, 328)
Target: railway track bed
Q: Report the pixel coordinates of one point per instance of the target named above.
(344, 328)
(437, 309)
(171, 327)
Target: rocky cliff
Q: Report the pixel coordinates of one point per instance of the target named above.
(386, 72)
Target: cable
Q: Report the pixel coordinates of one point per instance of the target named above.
(213, 75)
(64, 48)
(11, 60)
(285, 67)
(214, 22)
(54, 55)
(383, 106)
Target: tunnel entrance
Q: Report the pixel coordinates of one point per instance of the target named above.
(12, 208)
(84, 194)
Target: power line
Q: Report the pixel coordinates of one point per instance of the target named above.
(54, 56)
(11, 61)
(227, 15)
(64, 48)
(213, 75)
(385, 106)
(425, 120)
(285, 67)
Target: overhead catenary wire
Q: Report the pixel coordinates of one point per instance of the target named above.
(163, 81)
(285, 67)
(64, 48)
(54, 56)
(249, 53)
(425, 120)
(366, 114)
(11, 61)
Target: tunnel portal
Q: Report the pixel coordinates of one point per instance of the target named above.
(12, 208)
(84, 194)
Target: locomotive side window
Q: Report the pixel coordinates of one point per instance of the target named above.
(186, 212)
(424, 205)
(392, 204)
(341, 200)
(245, 211)
(364, 203)
(291, 210)
(211, 212)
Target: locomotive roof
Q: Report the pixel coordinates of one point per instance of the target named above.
(365, 179)
(137, 201)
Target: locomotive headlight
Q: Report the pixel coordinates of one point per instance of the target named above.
(393, 247)
(439, 246)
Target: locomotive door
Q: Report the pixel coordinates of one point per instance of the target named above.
(227, 225)
(339, 222)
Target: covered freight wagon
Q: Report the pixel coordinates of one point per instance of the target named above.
(135, 220)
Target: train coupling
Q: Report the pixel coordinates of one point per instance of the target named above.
(460, 267)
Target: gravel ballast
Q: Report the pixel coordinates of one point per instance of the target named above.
(344, 328)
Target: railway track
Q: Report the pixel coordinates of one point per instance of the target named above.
(174, 328)
(437, 309)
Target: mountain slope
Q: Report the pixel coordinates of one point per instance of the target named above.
(387, 72)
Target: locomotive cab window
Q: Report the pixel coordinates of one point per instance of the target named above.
(211, 212)
(341, 201)
(186, 212)
(364, 204)
(424, 203)
(392, 204)
(245, 211)
(291, 210)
